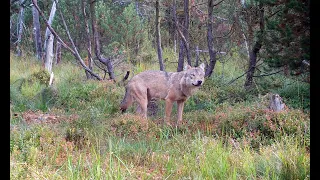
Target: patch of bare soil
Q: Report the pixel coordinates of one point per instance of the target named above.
(31, 117)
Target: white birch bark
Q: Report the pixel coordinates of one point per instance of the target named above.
(49, 53)
(246, 44)
(48, 43)
(52, 13)
(58, 52)
(20, 27)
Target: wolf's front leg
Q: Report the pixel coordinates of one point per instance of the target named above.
(169, 105)
(180, 111)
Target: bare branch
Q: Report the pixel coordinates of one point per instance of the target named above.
(217, 3)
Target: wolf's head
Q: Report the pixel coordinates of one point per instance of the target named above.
(194, 75)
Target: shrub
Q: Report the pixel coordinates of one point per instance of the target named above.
(41, 76)
(258, 124)
(296, 95)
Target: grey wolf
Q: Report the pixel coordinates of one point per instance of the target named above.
(169, 86)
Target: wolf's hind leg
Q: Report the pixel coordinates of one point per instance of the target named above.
(138, 110)
(180, 111)
(169, 105)
(142, 107)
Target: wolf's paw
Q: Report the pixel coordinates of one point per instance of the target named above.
(167, 123)
(181, 123)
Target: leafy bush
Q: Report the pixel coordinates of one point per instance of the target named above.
(41, 76)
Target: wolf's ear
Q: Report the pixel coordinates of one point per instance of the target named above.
(202, 66)
(186, 67)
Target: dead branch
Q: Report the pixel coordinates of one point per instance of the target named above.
(126, 76)
(268, 74)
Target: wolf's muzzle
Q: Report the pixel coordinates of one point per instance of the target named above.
(198, 83)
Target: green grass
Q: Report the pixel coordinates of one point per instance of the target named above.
(228, 133)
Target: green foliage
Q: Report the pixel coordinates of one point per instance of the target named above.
(284, 42)
(296, 94)
(125, 22)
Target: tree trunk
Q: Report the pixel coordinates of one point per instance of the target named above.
(211, 49)
(105, 61)
(49, 38)
(90, 61)
(186, 30)
(246, 44)
(197, 56)
(49, 54)
(158, 36)
(52, 13)
(181, 57)
(181, 47)
(36, 33)
(255, 50)
(20, 30)
(58, 52)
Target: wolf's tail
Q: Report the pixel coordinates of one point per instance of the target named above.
(126, 102)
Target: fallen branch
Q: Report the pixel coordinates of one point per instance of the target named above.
(268, 74)
(243, 74)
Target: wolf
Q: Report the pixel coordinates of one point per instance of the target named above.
(169, 86)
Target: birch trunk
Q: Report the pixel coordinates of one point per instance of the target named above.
(246, 44)
(36, 32)
(90, 61)
(48, 43)
(49, 54)
(52, 13)
(20, 28)
(58, 52)
(158, 36)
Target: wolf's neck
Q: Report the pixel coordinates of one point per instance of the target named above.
(187, 90)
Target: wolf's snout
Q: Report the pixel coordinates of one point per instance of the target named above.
(198, 83)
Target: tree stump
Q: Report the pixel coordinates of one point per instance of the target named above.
(276, 104)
